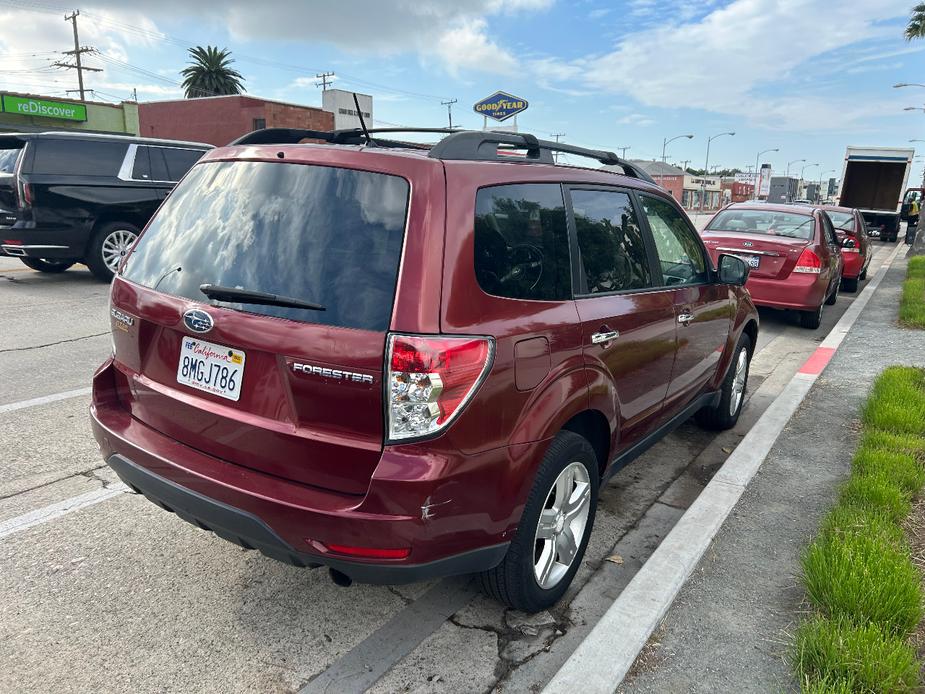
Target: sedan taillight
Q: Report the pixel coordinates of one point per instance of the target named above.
(808, 262)
(431, 379)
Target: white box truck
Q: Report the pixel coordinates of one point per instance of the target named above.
(873, 181)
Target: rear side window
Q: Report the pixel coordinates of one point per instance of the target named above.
(321, 234)
(842, 220)
(141, 170)
(78, 157)
(8, 159)
(521, 242)
(179, 161)
(613, 253)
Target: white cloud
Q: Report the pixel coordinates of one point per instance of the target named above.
(638, 119)
(466, 46)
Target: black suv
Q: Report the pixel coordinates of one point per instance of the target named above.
(78, 197)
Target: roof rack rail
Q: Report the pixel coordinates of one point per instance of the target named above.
(348, 136)
(467, 145)
(477, 145)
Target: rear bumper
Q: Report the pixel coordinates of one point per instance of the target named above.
(24, 239)
(251, 532)
(468, 531)
(801, 292)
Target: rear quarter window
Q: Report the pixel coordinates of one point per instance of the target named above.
(521, 242)
(8, 159)
(78, 157)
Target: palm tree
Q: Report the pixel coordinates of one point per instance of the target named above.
(210, 73)
(915, 29)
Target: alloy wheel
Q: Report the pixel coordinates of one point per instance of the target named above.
(115, 246)
(738, 382)
(562, 524)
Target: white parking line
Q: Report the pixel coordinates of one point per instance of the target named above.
(44, 400)
(602, 660)
(58, 509)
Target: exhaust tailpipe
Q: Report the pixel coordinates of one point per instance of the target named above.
(340, 578)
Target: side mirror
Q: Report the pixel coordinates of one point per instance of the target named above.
(849, 243)
(732, 270)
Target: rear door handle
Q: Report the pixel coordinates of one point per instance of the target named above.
(685, 318)
(601, 338)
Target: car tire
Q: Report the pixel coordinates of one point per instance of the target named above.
(849, 284)
(833, 297)
(863, 275)
(108, 246)
(725, 413)
(566, 481)
(50, 266)
(811, 319)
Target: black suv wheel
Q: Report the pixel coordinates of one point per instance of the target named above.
(43, 265)
(109, 245)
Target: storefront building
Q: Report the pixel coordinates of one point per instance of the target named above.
(35, 113)
(219, 120)
(701, 187)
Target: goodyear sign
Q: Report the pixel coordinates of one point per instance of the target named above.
(500, 106)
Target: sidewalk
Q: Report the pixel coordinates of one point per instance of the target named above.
(731, 625)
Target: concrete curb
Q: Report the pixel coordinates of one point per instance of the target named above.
(602, 660)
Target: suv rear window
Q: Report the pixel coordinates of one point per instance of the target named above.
(322, 234)
(521, 242)
(8, 159)
(771, 222)
(78, 157)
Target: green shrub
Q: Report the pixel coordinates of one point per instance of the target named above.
(901, 443)
(864, 578)
(844, 519)
(912, 304)
(835, 656)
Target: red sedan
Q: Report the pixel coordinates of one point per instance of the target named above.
(793, 251)
(855, 248)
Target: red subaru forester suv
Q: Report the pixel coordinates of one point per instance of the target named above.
(403, 361)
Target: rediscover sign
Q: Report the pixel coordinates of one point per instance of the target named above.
(41, 108)
(500, 106)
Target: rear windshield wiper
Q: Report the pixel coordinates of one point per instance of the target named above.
(250, 296)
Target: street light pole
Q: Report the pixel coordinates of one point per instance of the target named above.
(757, 157)
(706, 168)
(806, 166)
(668, 141)
(795, 161)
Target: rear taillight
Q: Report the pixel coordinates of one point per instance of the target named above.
(808, 262)
(431, 379)
(25, 195)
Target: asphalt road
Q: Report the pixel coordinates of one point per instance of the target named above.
(118, 595)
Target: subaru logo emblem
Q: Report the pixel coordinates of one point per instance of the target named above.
(747, 244)
(198, 320)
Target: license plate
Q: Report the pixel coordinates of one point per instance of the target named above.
(213, 368)
(751, 260)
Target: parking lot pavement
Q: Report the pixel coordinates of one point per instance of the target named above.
(121, 596)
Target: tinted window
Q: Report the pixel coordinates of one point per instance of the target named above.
(680, 254)
(78, 157)
(613, 253)
(842, 220)
(8, 159)
(158, 164)
(179, 161)
(771, 222)
(142, 168)
(521, 242)
(322, 234)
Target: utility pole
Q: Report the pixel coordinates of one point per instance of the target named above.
(324, 80)
(555, 155)
(135, 94)
(449, 109)
(623, 151)
(77, 52)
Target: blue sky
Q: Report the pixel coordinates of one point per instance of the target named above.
(805, 76)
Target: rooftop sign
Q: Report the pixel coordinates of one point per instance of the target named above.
(500, 106)
(27, 106)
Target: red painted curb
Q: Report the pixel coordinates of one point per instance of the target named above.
(817, 362)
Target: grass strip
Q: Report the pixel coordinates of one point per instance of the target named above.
(865, 591)
(912, 305)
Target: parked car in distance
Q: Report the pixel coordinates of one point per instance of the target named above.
(793, 252)
(71, 197)
(404, 362)
(851, 230)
